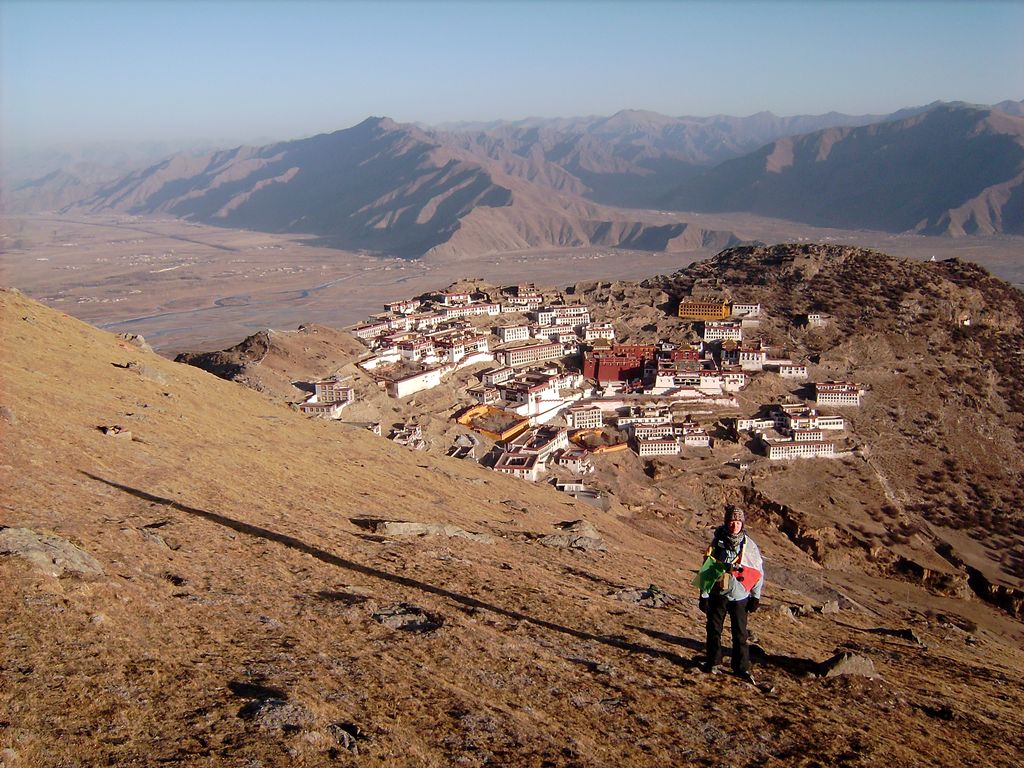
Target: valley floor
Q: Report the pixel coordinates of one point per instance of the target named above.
(192, 287)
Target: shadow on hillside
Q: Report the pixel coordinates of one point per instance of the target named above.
(793, 665)
(366, 570)
(685, 642)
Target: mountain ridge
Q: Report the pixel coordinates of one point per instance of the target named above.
(934, 173)
(398, 189)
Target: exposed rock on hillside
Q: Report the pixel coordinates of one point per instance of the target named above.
(49, 554)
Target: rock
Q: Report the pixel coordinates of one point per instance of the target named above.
(408, 618)
(846, 663)
(830, 606)
(50, 554)
(348, 735)
(576, 534)
(153, 374)
(8, 757)
(903, 634)
(135, 340)
(276, 715)
(652, 597)
(785, 612)
(116, 430)
(6, 414)
(98, 618)
(403, 528)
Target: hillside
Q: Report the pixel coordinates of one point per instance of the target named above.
(386, 188)
(954, 170)
(207, 589)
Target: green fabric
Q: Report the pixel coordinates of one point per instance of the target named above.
(708, 574)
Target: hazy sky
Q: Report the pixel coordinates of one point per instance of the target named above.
(85, 71)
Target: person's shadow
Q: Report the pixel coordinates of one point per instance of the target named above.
(465, 600)
(793, 665)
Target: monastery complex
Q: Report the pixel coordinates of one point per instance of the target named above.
(554, 389)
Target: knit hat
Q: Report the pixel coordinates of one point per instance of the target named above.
(734, 513)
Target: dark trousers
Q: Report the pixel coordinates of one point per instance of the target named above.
(718, 605)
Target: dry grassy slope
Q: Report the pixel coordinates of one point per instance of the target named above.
(274, 361)
(232, 574)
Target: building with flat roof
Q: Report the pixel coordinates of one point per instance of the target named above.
(809, 449)
(525, 466)
(584, 417)
(658, 446)
(691, 309)
(837, 393)
(531, 353)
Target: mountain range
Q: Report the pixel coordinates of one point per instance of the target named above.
(470, 189)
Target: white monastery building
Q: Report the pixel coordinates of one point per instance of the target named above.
(837, 393)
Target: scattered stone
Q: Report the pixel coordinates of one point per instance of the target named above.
(576, 534)
(652, 597)
(403, 528)
(408, 618)
(116, 430)
(830, 606)
(52, 555)
(175, 579)
(156, 538)
(7, 414)
(276, 715)
(903, 634)
(135, 340)
(8, 758)
(348, 735)
(154, 374)
(846, 663)
(785, 612)
(98, 618)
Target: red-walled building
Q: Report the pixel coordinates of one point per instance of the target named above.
(625, 362)
(622, 362)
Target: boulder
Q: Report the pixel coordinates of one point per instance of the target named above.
(847, 663)
(576, 534)
(135, 340)
(408, 618)
(785, 612)
(348, 735)
(652, 597)
(276, 715)
(49, 554)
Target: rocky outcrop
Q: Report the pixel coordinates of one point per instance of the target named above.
(406, 528)
(48, 554)
(575, 534)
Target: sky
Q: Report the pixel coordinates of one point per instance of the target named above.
(153, 71)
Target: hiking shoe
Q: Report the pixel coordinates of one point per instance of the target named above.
(746, 677)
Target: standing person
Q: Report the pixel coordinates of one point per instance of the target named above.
(730, 581)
